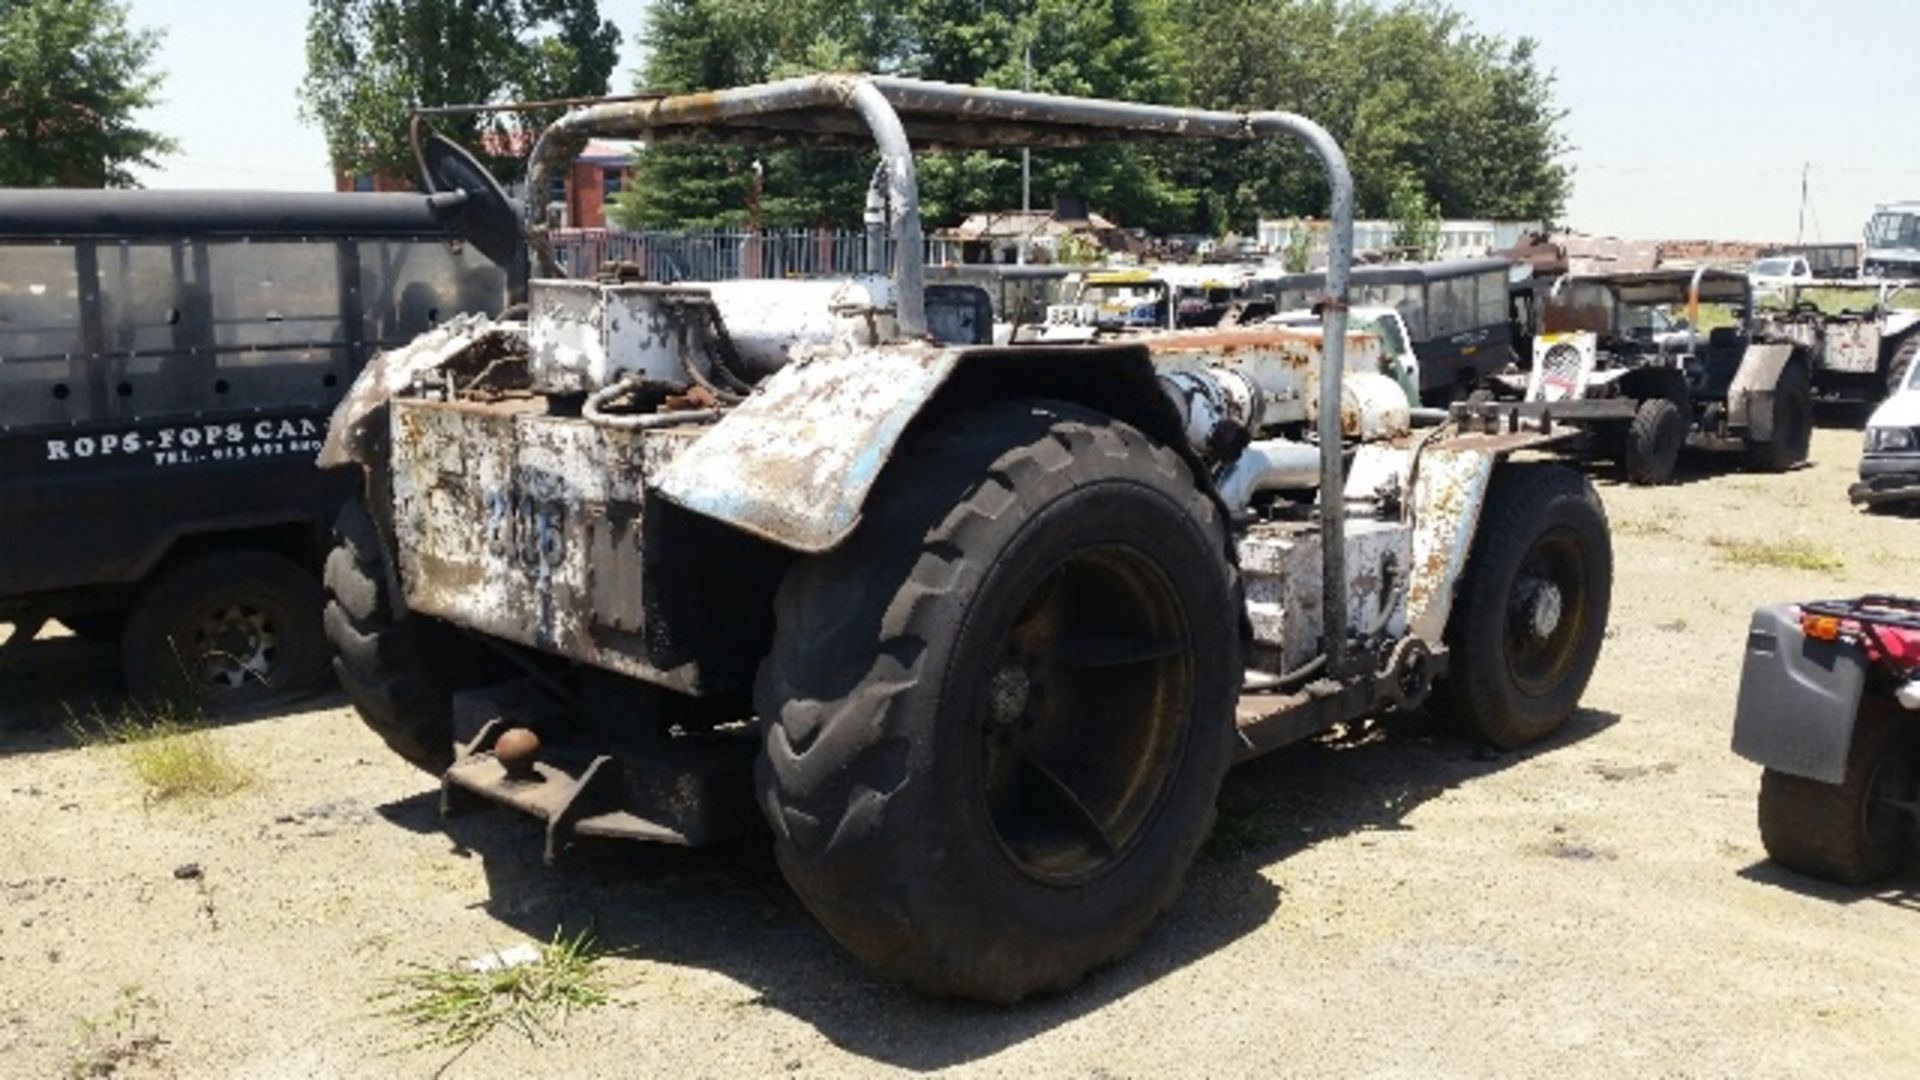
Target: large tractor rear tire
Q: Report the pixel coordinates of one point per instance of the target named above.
(399, 670)
(1792, 436)
(1901, 363)
(1850, 832)
(997, 717)
(1525, 631)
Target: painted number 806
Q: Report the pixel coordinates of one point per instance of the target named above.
(523, 529)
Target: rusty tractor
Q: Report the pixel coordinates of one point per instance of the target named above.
(1644, 383)
(979, 628)
(1862, 350)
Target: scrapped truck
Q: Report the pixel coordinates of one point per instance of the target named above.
(1169, 297)
(1828, 696)
(1859, 339)
(168, 360)
(1616, 356)
(978, 628)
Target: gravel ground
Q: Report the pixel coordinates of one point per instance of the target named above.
(1394, 903)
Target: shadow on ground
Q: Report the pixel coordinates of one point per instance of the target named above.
(1901, 890)
(49, 684)
(1696, 465)
(727, 910)
(1842, 415)
(45, 683)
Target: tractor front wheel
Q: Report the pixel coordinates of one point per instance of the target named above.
(1525, 632)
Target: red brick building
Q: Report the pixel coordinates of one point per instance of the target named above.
(601, 171)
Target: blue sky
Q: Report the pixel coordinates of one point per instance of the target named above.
(1688, 118)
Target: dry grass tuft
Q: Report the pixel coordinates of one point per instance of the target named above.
(1779, 554)
(122, 1038)
(166, 746)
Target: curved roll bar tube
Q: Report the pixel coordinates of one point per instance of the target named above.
(892, 112)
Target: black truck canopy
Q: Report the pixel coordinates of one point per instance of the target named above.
(61, 214)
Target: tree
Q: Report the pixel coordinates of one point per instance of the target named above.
(72, 75)
(1412, 92)
(1297, 256)
(1408, 90)
(1106, 48)
(1416, 220)
(1522, 174)
(708, 44)
(1127, 50)
(370, 62)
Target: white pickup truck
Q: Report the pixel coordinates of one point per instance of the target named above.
(1774, 274)
(1397, 358)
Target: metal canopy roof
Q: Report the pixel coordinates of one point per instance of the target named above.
(1672, 286)
(817, 110)
(897, 116)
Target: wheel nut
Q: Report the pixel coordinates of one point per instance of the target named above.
(515, 751)
(1007, 694)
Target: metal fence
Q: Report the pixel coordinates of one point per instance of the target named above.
(724, 254)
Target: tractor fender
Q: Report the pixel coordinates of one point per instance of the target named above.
(1450, 477)
(356, 434)
(1750, 395)
(1645, 383)
(1799, 698)
(794, 463)
(1449, 488)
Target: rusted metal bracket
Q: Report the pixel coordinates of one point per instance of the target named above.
(682, 792)
(1266, 723)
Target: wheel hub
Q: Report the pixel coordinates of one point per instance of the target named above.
(1084, 711)
(1007, 697)
(235, 646)
(1540, 607)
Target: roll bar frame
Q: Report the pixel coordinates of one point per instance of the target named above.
(895, 114)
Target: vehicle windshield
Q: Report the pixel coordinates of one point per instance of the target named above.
(1132, 303)
(1888, 229)
(1392, 341)
(1387, 330)
(1635, 320)
(1772, 267)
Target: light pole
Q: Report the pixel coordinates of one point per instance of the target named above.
(1026, 166)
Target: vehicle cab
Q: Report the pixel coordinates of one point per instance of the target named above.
(1398, 360)
(1893, 241)
(1776, 273)
(1104, 300)
(1890, 452)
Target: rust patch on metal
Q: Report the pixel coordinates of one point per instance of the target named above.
(1227, 341)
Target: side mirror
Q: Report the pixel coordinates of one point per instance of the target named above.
(1681, 324)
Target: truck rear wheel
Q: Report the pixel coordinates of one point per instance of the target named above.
(1902, 362)
(230, 629)
(399, 670)
(1653, 441)
(1792, 423)
(996, 718)
(1526, 628)
(1847, 832)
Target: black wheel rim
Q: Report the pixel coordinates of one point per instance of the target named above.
(229, 647)
(1546, 613)
(1083, 714)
